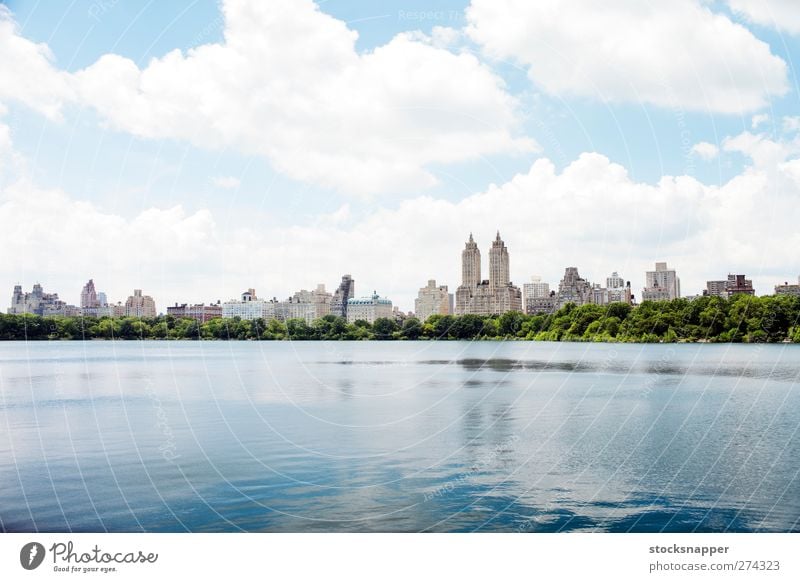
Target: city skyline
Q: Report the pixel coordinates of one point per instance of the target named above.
(471, 269)
(114, 166)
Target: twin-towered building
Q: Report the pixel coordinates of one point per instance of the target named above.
(493, 296)
(37, 302)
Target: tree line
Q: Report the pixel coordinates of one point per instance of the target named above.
(713, 319)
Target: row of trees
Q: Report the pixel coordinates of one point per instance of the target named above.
(713, 319)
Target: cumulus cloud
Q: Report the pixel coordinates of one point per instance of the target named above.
(779, 14)
(288, 84)
(707, 151)
(672, 54)
(61, 242)
(27, 74)
(591, 214)
(758, 120)
(791, 123)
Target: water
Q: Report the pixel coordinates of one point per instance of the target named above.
(398, 436)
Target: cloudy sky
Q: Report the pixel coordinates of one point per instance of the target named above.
(197, 150)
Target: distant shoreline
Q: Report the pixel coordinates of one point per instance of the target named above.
(773, 319)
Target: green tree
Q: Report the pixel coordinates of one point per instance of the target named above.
(384, 328)
(412, 329)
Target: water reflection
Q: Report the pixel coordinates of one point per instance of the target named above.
(402, 436)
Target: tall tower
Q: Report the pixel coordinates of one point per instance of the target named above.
(470, 264)
(345, 291)
(89, 296)
(498, 264)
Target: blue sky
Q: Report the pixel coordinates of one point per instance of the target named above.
(127, 157)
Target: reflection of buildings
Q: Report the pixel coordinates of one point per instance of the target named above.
(787, 289)
(369, 308)
(496, 295)
(38, 302)
(662, 284)
(345, 291)
(433, 300)
(733, 285)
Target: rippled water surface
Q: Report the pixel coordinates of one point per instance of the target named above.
(398, 436)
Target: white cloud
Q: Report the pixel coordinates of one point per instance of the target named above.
(779, 14)
(707, 151)
(591, 214)
(288, 84)
(766, 154)
(672, 54)
(791, 124)
(758, 120)
(27, 74)
(61, 242)
(226, 182)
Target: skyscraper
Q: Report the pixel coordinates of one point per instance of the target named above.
(663, 284)
(498, 264)
(89, 296)
(470, 264)
(573, 289)
(139, 305)
(345, 291)
(481, 297)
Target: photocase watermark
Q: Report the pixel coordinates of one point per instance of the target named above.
(97, 9)
(31, 555)
(66, 559)
(428, 15)
(169, 448)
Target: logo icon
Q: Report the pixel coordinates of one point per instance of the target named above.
(31, 555)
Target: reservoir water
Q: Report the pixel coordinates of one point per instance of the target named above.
(398, 436)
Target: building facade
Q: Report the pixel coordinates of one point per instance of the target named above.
(319, 298)
(788, 289)
(573, 289)
(199, 311)
(534, 291)
(89, 298)
(249, 306)
(733, 285)
(619, 290)
(433, 300)
(494, 296)
(663, 284)
(37, 302)
(94, 303)
(139, 305)
(369, 308)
